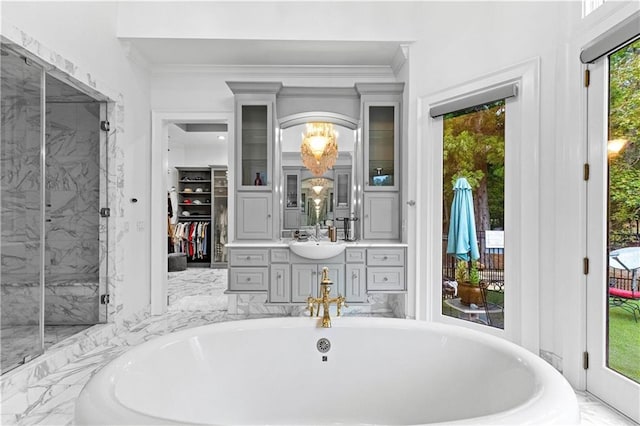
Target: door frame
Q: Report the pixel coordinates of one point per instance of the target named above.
(160, 121)
(521, 188)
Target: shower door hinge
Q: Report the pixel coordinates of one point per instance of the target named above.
(585, 266)
(104, 299)
(585, 360)
(105, 212)
(585, 171)
(587, 78)
(104, 125)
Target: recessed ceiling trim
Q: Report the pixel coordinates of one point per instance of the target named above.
(337, 71)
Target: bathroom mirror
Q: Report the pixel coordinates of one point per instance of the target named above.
(309, 199)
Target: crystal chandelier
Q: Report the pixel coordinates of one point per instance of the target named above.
(319, 148)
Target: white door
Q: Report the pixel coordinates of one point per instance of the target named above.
(613, 335)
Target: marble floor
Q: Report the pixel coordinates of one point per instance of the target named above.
(195, 298)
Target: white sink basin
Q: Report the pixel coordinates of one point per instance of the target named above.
(317, 249)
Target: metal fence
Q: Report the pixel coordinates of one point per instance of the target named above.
(491, 262)
(620, 278)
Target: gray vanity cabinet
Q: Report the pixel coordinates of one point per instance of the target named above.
(386, 269)
(253, 216)
(381, 219)
(248, 269)
(305, 280)
(280, 282)
(355, 275)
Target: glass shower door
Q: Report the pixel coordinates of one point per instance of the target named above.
(21, 203)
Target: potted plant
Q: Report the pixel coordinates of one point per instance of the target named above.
(468, 278)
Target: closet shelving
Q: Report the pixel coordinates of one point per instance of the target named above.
(202, 198)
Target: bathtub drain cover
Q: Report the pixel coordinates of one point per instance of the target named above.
(323, 345)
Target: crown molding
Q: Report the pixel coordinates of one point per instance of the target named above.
(383, 72)
(134, 55)
(399, 59)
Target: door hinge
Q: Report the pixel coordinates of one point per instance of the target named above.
(585, 265)
(585, 171)
(105, 212)
(104, 299)
(585, 360)
(587, 78)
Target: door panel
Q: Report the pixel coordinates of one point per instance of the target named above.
(613, 336)
(22, 211)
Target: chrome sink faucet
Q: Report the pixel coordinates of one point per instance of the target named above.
(325, 300)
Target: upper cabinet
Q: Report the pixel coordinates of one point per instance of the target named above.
(382, 171)
(381, 145)
(254, 147)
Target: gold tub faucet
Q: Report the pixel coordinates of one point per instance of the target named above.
(325, 300)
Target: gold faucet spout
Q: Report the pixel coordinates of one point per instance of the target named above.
(325, 300)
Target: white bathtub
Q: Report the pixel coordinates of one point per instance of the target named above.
(377, 371)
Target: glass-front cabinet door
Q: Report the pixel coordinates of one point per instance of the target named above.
(381, 146)
(255, 143)
(342, 191)
(292, 199)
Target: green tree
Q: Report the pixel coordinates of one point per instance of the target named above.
(624, 123)
(474, 149)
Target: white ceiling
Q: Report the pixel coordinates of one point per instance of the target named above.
(265, 52)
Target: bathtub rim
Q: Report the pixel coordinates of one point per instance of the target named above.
(551, 388)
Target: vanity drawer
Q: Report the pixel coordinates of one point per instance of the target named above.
(248, 279)
(249, 257)
(385, 279)
(385, 256)
(355, 255)
(280, 255)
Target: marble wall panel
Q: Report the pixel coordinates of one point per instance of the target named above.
(69, 303)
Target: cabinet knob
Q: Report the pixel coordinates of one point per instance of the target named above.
(384, 258)
(279, 275)
(385, 279)
(269, 215)
(249, 279)
(354, 275)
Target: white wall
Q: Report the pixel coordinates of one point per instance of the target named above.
(83, 33)
(194, 149)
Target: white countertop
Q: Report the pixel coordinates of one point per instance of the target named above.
(284, 243)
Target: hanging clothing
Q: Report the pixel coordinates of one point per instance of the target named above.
(172, 202)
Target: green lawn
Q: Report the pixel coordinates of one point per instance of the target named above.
(624, 343)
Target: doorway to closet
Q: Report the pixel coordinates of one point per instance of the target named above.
(197, 191)
(53, 248)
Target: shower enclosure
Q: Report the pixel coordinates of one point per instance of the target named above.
(50, 195)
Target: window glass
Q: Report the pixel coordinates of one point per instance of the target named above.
(473, 214)
(623, 352)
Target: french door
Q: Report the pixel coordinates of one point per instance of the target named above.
(613, 237)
